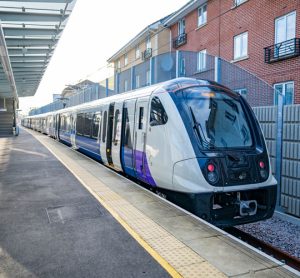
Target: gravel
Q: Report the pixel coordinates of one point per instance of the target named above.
(278, 232)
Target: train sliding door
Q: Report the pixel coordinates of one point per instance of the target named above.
(106, 134)
(128, 138)
(141, 166)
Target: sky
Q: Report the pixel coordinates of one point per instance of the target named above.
(95, 31)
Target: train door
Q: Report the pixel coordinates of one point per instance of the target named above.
(141, 166)
(110, 122)
(127, 148)
(73, 130)
(105, 143)
(116, 136)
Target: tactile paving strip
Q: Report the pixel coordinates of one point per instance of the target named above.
(178, 259)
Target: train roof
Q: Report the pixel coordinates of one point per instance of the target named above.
(164, 87)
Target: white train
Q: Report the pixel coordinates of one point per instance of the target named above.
(193, 141)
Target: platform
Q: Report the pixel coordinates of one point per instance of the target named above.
(64, 215)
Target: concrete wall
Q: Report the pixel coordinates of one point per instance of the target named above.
(290, 173)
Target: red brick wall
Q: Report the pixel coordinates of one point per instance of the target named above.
(258, 18)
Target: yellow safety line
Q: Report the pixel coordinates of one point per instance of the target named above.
(172, 271)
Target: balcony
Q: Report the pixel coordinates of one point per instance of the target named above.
(283, 50)
(147, 54)
(180, 40)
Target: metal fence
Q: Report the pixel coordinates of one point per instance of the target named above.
(276, 121)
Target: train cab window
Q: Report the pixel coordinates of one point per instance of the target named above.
(141, 118)
(117, 127)
(158, 115)
(96, 123)
(104, 126)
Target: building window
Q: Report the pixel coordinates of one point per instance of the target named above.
(181, 27)
(242, 92)
(241, 46)
(201, 60)
(2, 104)
(202, 15)
(148, 42)
(239, 2)
(137, 52)
(119, 64)
(285, 29)
(137, 81)
(148, 77)
(126, 59)
(287, 90)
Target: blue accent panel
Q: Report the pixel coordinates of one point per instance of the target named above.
(127, 161)
(65, 137)
(89, 146)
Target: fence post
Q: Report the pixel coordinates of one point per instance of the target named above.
(177, 63)
(152, 71)
(106, 86)
(279, 142)
(132, 78)
(217, 69)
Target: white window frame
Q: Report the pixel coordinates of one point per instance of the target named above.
(137, 52)
(285, 17)
(201, 60)
(202, 17)
(240, 55)
(284, 90)
(181, 26)
(125, 59)
(239, 2)
(119, 64)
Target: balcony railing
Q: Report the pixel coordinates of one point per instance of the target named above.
(147, 54)
(283, 50)
(180, 40)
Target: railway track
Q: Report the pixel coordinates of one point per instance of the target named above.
(266, 247)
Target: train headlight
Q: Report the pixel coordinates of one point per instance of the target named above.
(212, 174)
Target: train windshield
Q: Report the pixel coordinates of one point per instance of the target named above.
(217, 117)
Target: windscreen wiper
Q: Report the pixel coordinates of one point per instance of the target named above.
(197, 126)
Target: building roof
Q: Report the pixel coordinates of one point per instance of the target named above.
(29, 32)
(150, 29)
(183, 11)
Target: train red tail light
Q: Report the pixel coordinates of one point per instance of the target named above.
(212, 174)
(262, 165)
(211, 168)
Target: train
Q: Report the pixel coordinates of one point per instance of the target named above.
(194, 142)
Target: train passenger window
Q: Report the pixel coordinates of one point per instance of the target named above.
(96, 123)
(79, 124)
(104, 127)
(141, 118)
(158, 115)
(117, 128)
(88, 124)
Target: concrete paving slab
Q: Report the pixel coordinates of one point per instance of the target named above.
(51, 226)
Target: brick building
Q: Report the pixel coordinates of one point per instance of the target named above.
(261, 36)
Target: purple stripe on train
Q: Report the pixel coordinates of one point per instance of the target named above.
(141, 173)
